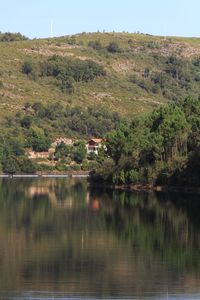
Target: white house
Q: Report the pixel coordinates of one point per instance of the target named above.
(94, 145)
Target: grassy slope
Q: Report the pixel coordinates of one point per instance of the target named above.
(113, 91)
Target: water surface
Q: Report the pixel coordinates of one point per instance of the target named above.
(59, 239)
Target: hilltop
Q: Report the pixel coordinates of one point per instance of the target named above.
(141, 71)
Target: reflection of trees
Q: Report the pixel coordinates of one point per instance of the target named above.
(132, 245)
(167, 226)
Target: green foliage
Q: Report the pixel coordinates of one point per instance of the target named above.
(62, 150)
(159, 148)
(12, 37)
(105, 172)
(12, 156)
(31, 69)
(96, 45)
(114, 91)
(176, 78)
(92, 156)
(91, 121)
(66, 71)
(79, 151)
(36, 127)
(26, 122)
(66, 83)
(133, 176)
(16, 146)
(27, 67)
(157, 77)
(38, 140)
(76, 167)
(45, 168)
(26, 165)
(61, 167)
(113, 47)
(10, 165)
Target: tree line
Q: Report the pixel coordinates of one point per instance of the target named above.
(12, 37)
(160, 148)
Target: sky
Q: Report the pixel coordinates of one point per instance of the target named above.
(158, 17)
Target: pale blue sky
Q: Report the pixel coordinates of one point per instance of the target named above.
(159, 17)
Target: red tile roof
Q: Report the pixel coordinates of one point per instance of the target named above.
(96, 140)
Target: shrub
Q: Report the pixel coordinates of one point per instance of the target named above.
(76, 167)
(96, 45)
(113, 47)
(26, 165)
(44, 167)
(62, 168)
(26, 122)
(27, 67)
(132, 176)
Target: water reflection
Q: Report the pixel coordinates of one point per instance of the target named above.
(58, 239)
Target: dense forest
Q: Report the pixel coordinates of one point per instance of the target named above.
(160, 148)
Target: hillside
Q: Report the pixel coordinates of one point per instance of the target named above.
(142, 71)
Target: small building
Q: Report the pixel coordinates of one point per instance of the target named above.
(93, 145)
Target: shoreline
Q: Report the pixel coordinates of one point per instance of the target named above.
(147, 188)
(47, 175)
(125, 187)
(162, 189)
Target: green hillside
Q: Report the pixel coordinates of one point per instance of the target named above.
(141, 71)
(88, 85)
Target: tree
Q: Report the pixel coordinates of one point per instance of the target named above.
(16, 146)
(62, 150)
(10, 165)
(38, 140)
(26, 165)
(116, 142)
(79, 151)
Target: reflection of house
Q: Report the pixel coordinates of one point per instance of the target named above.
(50, 192)
(92, 203)
(93, 146)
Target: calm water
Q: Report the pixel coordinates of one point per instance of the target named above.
(58, 239)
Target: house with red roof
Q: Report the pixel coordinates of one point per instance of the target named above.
(93, 145)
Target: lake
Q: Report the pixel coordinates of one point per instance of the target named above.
(59, 239)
